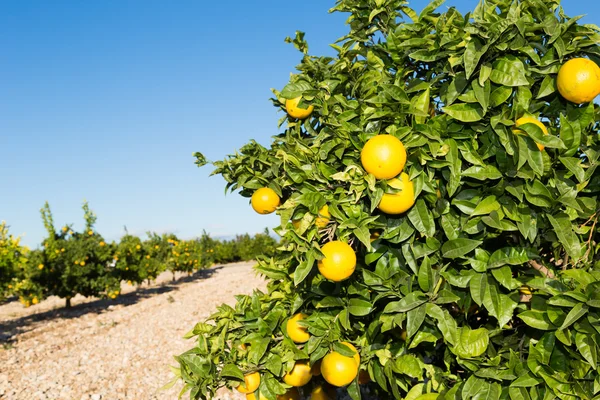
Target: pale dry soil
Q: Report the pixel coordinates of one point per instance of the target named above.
(119, 349)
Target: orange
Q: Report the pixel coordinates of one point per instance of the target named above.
(265, 201)
(291, 394)
(578, 80)
(251, 382)
(339, 262)
(294, 111)
(323, 393)
(526, 290)
(297, 333)
(323, 218)
(383, 156)
(299, 375)
(530, 120)
(397, 203)
(339, 370)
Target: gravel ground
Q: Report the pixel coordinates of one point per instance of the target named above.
(118, 349)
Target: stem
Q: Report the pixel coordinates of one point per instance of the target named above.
(438, 286)
(541, 268)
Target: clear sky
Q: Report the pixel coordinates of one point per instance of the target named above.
(107, 101)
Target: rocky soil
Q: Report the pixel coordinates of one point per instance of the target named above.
(119, 349)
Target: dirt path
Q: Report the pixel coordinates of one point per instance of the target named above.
(111, 350)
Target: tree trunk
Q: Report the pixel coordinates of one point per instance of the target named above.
(68, 302)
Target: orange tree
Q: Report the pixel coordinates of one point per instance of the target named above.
(69, 263)
(459, 256)
(13, 257)
(137, 260)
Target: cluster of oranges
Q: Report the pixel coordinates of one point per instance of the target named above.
(384, 156)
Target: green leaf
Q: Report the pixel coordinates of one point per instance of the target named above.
(421, 218)
(574, 165)
(587, 348)
(459, 247)
(303, 269)
(425, 277)
(411, 301)
(509, 71)
(414, 320)
(446, 324)
(473, 52)
(232, 371)
(537, 319)
(500, 95)
(564, 230)
(526, 380)
(293, 90)
(359, 307)
(498, 305)
(408, 365)
(577, 312)
(508, 256)
(464, 112)
(482, 173)
(486, 206)
(471, 343)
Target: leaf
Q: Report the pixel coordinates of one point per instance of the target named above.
(421, 218)
(574, 165)
(486, 206)
(303, 269)
(414, 320)
(425, 277)
(459, 247)
(293, 90)
(482, 173)
(537, 319)
(500, 95)
(498, 305)
(508, 256)
(473, 52)
(464, 112)
(564, 230)
(446, 324)
(411, 301)
(359, 307)
(587, 348)
(408, 365)
(471, 343)
(526, 380)
(509, 71)
(576, 312)
(232, 371)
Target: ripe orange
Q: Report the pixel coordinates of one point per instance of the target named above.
(526, 290)
(397, 203)
(299, 375)
(323, 218)
(339, 262)
(339, 370)
(578, 80)
(383, 156)
(297, 333)
(252, 396)
(320, 392)
(294, 111)
(250, 384)
(291, 394)
(265, 201)
(530, 120)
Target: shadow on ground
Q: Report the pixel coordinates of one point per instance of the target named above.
(24, 324)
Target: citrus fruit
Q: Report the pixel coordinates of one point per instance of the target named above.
(383, 156)
(320, 392)
(297, 333)
(526, 290)
(339, 370)
(294, 111)
(250, 384)
(324, 216)
(265, 201)
(299, 375)
(339, 262)
(530, 120)
(578, 80)
(397, 203)
(291, 394)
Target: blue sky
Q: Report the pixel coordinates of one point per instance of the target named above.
(107, 101)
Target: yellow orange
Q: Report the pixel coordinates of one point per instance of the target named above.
(299, 375)
(398, 203)
(324, 216)
(265, 201)
(321, 392)
(578, 80)
(339, 370)
(384, 156)
(297, 333)
(339, 262)
(250, 384)
(294, 111)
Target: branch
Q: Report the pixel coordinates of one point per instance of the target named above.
(539, 267)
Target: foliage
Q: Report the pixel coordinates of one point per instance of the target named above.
(438, 302)
(12, 258)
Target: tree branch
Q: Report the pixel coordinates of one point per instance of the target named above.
(539, 267)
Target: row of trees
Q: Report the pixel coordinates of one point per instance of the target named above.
(71, 262)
